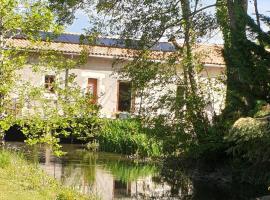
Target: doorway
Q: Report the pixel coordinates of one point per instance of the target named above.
(92, 89)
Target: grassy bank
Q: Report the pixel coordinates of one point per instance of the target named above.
(20, 180)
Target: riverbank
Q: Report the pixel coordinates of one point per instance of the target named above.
(20, 180)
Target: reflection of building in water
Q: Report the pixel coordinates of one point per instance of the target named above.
(121, 189)
(94, 179)
(50, 167)
(146, 188)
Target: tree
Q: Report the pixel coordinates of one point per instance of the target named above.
(65, 10)
(42, 119)
(19, 19)
(142, 24)
(68, 113)
(247, 61)
(182, 23)
(244, 51)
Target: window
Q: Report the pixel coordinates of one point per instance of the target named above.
(49, 81)
(124, 96)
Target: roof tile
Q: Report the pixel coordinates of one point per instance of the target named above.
(211, 54)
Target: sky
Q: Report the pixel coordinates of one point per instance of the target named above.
(81, 19)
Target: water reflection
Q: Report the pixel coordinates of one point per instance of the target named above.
(112, 176)
(108, 176)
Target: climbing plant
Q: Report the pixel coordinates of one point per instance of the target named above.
(246, 58)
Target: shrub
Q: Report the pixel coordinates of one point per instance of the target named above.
(250, 139)
(127, 137)
(261, 109)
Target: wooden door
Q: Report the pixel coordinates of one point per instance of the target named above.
(92, 89)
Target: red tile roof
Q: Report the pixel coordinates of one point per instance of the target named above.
(211, 54)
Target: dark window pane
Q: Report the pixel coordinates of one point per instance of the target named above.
(124, 99)
(49, 81)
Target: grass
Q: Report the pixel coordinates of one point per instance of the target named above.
(20, 180)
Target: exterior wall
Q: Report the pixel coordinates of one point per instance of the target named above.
(210, 83)
(97, 68)
(101, 68)
(215, 89)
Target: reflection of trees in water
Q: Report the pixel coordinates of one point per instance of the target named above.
(79, 170)
(174, 179)
(81, 167)
(76, 172)
(121, 168)
(128, 171)
(174, 173)
(191, 181)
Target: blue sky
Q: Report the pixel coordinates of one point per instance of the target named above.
(81, 22)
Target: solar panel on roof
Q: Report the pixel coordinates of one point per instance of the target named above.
(110, 42)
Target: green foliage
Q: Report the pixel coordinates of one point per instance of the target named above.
(43, 115)
(71, 113)
(65, 10)
(262, 109)
(247, 61)
(250, 140)
(19, 18)
(248, 144)
(128, 137)
(65, 195)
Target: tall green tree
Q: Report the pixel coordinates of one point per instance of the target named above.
(19, 19)
(182, 23)
(246, 58)
(42, 118)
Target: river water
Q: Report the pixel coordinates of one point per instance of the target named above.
(112, 176)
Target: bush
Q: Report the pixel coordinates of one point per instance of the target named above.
(250, 139)
(262, 109)
(127, 137)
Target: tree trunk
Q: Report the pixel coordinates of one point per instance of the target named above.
(188, 68)
(258, 20)
(194, 110)
(239, 99)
